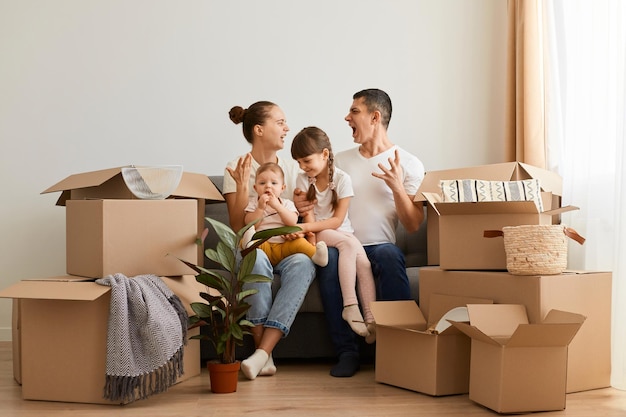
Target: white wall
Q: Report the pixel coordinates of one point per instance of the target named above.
(87, 85)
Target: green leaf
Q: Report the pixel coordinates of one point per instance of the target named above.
(212, 255)
(277, 231)
(237, 331)
(201, 309)
(255, 278)
(244, 229)
(247, 264)
(246, 293)
(226, 256)
(224, 232)
(246, 323)
(212, 299)
(239, 313)
(211, 279)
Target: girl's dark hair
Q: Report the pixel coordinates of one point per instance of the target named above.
(309, 141)
(254, 115)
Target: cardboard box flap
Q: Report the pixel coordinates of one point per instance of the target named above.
(191, 185)
(197, 186)
(507, 171)
(84, 180)
(550, 181)
(432, 199)
(542, 335)
(398, 314)
(560, 210)
(559, 316)
(440, 304)
(474, 333)
(62, 278)
(497, 320)
(55, 290)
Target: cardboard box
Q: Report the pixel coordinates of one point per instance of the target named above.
(64, 325)
(132, 237)
(108, 184)
(517, 367)
(409, 354)
(551, 184)
(583, 292)
(462, 244)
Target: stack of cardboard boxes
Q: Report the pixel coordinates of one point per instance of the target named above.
(60, 323)
(533, 338)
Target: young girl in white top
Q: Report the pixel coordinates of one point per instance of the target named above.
(332, 189)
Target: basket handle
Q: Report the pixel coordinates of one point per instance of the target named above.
(568, 231)
(493, 233)
(573, 234)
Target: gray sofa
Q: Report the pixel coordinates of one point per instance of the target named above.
(309, 337)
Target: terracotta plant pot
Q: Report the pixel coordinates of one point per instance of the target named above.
(223, 376)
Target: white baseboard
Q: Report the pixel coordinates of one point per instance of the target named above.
(5, 334)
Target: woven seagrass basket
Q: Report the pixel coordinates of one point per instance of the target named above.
(535, 249)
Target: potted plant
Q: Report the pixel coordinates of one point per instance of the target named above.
(224, 312)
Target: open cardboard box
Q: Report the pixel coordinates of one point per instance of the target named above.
(108, 230)
(551, 185)
(517, 367)
(584, 292)
(409, 354)
(462, 244)
(60, 352)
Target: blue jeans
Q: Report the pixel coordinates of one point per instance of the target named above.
(296, 274)
(392, 283)
(389, 268)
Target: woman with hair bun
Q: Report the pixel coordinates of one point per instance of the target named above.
(265, 127)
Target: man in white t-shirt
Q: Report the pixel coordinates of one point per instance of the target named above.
(385, 179)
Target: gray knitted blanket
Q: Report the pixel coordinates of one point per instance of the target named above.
(146, 335)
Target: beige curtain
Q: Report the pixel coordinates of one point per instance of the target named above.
(525, 123)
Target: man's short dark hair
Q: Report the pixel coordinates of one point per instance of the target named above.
(376, 100)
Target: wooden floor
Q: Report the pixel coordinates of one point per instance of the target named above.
(298, 389)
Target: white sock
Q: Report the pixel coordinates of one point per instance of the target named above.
(269, 369)
(353, 316)
(321, 254)
(253, 365)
